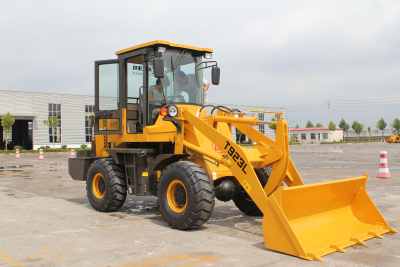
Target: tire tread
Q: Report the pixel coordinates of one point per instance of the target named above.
(203, 194)
(116, 194)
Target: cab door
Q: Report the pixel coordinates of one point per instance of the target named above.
(108, 98)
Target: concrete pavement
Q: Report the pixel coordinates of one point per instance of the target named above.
(46, 219)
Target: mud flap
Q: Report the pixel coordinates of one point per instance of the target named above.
(311, 221)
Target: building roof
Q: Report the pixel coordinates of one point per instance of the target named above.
(161, 42)
(311, 129)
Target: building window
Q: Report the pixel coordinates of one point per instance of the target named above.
(55, 110)
(89, 109)
(261, 127)
(324, 135)
(296, 137)
(313, 136)
(303, 137)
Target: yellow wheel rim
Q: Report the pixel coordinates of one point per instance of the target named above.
(99, 185)
(177, 196)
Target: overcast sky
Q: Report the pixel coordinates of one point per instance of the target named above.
(271, 53)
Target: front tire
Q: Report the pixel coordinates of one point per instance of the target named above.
(186, 195)
(244, 202)
(105, 185)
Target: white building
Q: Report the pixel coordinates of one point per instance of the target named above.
(31, 109)
(316, 135)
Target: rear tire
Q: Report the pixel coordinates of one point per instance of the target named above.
(105, 185)
(244, 202)
(186, 195)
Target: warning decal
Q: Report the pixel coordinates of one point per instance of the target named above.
(217, 149)
(246, 186)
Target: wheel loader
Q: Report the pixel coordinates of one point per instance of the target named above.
(153, 137)
(395, 138)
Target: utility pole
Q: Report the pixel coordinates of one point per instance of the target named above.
(329, 110)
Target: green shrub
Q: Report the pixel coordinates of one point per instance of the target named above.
(17, 147)
(64, 147)
(83, 146)
(47, 147)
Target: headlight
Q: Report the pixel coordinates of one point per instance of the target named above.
(172, 111)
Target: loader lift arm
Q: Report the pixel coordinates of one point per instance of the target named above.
(298, 220)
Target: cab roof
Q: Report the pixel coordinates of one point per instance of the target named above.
(160, 42)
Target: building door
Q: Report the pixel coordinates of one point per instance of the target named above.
(21, 134)
(319, 137)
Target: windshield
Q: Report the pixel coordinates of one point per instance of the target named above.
(181, 84)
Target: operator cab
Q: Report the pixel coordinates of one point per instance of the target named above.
(146, 78)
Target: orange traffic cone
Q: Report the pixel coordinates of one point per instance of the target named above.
(72, 153)
(41, 154)
(383, 166)
(17, 154)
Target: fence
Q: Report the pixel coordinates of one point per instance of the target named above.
(377, 135)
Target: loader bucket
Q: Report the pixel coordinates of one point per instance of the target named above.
(311, 221)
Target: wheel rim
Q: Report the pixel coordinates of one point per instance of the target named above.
(99, 186)
(177, 196)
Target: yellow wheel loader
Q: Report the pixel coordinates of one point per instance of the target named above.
(395, 138)
(152, 136)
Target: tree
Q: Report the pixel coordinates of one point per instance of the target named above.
(52, 122)
(357, 127)
(271, 126)
(369, 130)
(344, 125)
(89, 119)
(381, 124)
(396, 124)
(7, 122)
(297, 126)
(318, 125)
(309, 124)
(292, 139)
(332, 127)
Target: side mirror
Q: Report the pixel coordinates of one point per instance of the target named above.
(215, 75)
(158, 66)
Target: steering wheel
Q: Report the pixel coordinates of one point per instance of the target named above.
(175, 98)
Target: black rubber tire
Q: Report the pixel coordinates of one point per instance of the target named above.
(114, 183)
(199, 190)
(241, 200)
